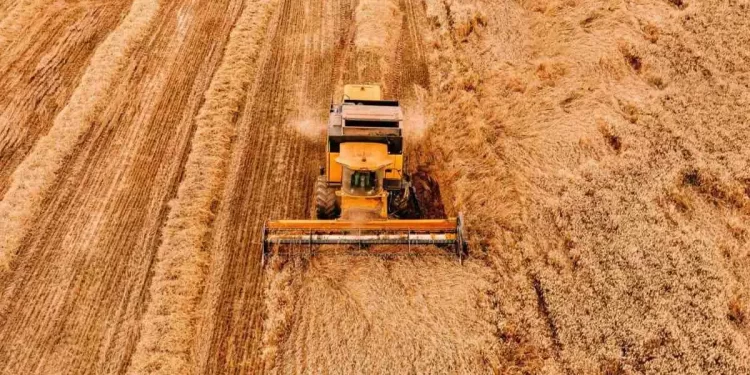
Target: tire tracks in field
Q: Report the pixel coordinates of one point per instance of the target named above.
(35, 175)
(350, 315)
(409, 67)
(78, 288)
(181, 260)
(40, 71)
(5, 8)
(271, 176)
(19, 16)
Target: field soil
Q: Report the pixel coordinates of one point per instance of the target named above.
(599, 151)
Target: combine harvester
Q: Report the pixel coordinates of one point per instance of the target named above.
(363, 195)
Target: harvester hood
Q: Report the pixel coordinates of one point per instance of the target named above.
(364, 156)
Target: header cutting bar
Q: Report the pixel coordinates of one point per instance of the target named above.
(432, 225)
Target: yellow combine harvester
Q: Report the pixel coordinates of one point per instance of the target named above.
(363, 194)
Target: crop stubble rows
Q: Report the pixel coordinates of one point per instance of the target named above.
(80, 282)
(40, 69)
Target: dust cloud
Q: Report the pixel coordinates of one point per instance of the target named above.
(311, 128)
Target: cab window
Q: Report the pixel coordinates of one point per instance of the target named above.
(361, 182)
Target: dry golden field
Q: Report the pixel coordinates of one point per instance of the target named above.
(600, 150)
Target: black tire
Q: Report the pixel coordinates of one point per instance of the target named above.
(404, 204)
(326, 205)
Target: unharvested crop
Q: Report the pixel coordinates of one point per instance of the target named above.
(589, 186)
(18, 14)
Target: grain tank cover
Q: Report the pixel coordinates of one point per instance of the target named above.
(362, 92)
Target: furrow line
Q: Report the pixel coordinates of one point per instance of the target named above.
(13, 23)
(37, 173)
(41, 70)
(180, 270)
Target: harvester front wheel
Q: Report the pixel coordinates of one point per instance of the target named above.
(404, 204)
(326, 205)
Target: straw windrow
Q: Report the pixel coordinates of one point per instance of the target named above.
(37, 173)
(179, 272)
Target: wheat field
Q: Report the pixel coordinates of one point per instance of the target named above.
(599, 149)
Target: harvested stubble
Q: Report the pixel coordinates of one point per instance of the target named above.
(181, 260)
(378, 24)
(377, 30)
(41, 68)
(18, 15)
(35, 175)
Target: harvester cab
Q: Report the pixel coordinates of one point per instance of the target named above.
(363, 195)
